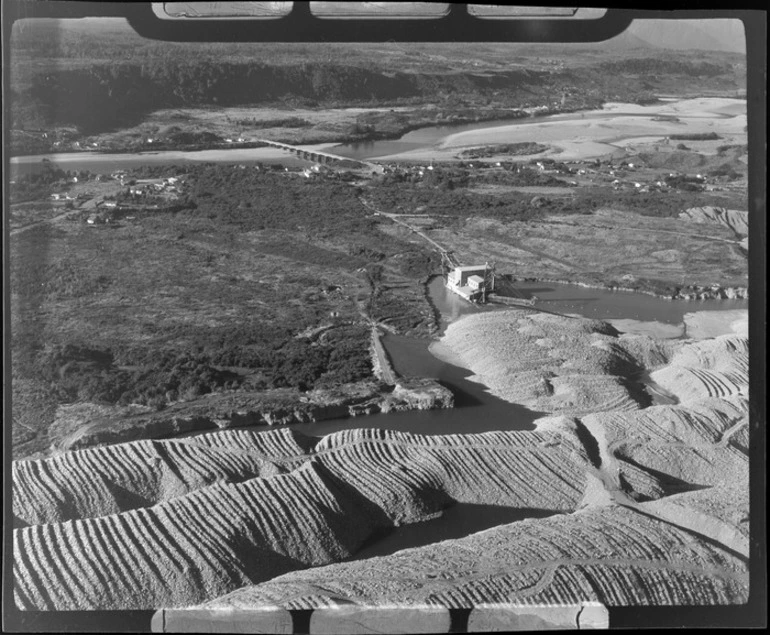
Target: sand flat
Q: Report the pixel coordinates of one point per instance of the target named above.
(706, 324)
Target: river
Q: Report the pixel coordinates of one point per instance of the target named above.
(613, 121)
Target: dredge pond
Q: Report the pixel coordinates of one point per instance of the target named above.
(476, 409)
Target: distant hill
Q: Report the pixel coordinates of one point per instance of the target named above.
(707, 35)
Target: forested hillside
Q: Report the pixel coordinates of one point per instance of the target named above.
(99, 79)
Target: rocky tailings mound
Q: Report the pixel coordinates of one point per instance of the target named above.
(614, 555)
(733, 219)
(116, 478)
(407, 477)
(686, 447)
(648, 506)
(351, 486)
(188, 549)
(717, 367)
(412, 477)
(555, 364)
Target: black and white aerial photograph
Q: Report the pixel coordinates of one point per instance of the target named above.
(387, 336)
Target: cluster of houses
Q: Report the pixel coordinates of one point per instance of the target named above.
(323, 172)
(621, 175)
(170, 184)
(416, 171)
(108, 210)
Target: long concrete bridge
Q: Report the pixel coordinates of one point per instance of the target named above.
(321, 157)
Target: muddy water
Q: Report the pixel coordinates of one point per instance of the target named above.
(105, 163)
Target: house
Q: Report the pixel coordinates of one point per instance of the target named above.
(98, 219)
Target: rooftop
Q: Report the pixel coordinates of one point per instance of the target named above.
(471, 268)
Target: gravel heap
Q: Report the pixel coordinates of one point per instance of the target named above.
(555, 364)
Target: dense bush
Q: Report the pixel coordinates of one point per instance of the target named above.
(39, 183)
(695, 136)
(660, 66)
(223, 358)
(654, 203)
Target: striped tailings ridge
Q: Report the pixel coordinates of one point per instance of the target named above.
(279, 443)
(194, 547)
(106, 480)
(613, 555)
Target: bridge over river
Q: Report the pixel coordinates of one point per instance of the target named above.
(319, 156)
